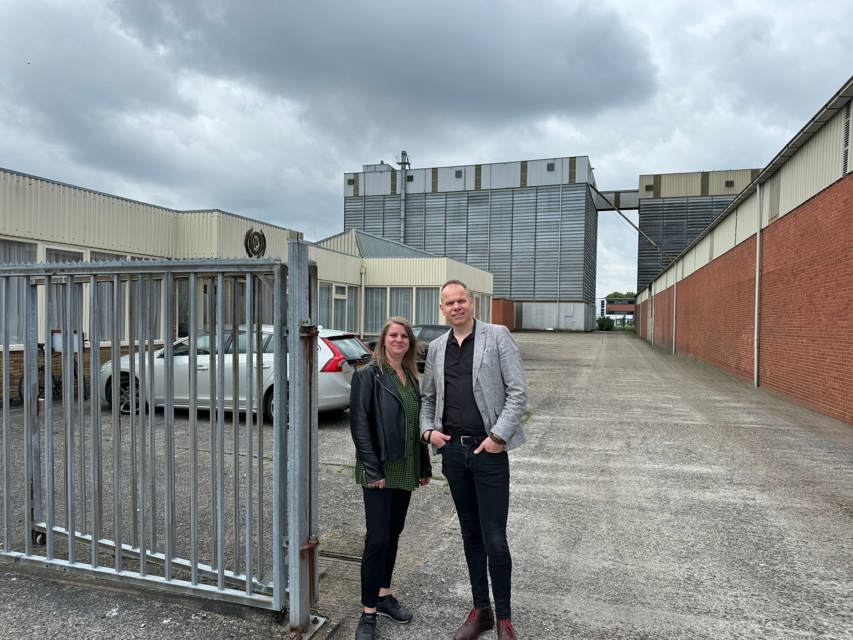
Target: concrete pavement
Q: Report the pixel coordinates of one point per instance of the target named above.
(656, 498)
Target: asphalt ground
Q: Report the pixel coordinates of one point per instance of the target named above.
(656, 498)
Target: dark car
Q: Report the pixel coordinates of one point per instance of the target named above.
(424, 334)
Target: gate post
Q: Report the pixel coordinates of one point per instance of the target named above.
(301, 438)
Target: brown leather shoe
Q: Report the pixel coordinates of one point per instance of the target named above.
(505, 630)
(479, 620)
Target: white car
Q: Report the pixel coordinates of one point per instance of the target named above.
(339, 353)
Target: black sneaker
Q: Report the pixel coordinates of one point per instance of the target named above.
(391, 608)
(366, 629)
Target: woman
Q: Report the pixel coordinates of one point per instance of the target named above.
(391, 461)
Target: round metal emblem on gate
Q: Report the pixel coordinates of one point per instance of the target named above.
(255, 243)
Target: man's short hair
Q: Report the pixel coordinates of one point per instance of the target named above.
(456, 282)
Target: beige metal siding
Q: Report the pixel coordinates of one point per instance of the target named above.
(724, 236)
(343, 243)
(393, 272)
(717, 181)
(336, 267)
(476, 279)
(45, 211)
(747, 223)
(697, 183)
(813, 167)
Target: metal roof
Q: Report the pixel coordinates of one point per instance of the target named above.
(373, 246)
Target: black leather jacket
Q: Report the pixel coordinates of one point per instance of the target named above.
(378, 422)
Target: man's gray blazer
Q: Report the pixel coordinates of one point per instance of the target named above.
(498, 377)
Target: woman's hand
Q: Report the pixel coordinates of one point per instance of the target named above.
(424, 481)
(376, 484)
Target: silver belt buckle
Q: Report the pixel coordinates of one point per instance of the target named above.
(466, 441)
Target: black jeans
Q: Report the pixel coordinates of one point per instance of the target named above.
(479, 485)
(385, 516)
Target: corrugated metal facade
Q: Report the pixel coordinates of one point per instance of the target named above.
(52, 213)
(539, 242)
(673, 223)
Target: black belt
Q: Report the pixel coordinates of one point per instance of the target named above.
(468, 441)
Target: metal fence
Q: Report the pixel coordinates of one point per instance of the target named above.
(142, 455)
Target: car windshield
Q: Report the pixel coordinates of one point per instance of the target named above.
(428, 334)
(350, 347)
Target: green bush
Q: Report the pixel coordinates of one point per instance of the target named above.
(605, 324)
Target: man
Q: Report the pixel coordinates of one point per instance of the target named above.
(473, 401)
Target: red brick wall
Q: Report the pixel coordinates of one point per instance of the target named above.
(806, 321)
(663, 319)
(640, 320)
(716, 307)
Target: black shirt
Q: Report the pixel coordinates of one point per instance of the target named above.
(461, 415)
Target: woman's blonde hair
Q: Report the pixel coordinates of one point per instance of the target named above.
(410, 358)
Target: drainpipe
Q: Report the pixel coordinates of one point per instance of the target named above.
(755, 319)
(361, 273)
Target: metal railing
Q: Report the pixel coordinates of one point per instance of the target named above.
(151, 462)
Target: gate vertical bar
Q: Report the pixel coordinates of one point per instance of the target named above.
(30, 432)
(68, 348)
(116, 389)
(7, 475)
(49, 480)
(235, 424)
(280, 444)
(133, 387)
(259, 380)
(219, 479)
(81, 416)
(167, 288)
(302, 334)
(95, 408)
(152, 437)
(142, 481)
(314, 448)
(193, 293)
(250, 320)
(211, 414)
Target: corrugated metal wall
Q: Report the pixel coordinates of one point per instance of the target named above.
(673, 223)
(538, 242)
(53, 213)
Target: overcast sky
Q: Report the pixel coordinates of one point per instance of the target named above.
(259, 108)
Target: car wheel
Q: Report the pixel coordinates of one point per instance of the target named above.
(269, 405)
(123, 395)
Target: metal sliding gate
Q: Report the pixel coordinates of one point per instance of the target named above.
(163, 479)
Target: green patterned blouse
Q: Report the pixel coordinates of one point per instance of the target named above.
(402, 473)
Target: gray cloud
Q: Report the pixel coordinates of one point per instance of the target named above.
(260, 107)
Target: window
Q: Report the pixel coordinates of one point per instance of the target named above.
(401, 302)
(105, 300)
(340, 290)
(730, 184)
(549, 166)
(12, 252)
(459, 173)
(410, 178)
(352, 309)
(350, 181)
(324, 312)
(375, 309)
(427, 305)
(57, 307)
(154, 306)
(340, 314)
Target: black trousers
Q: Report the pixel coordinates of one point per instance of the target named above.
(479, 484)
(385, 515)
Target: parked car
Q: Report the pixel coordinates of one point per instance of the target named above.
(424, 334)
(339, 353)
